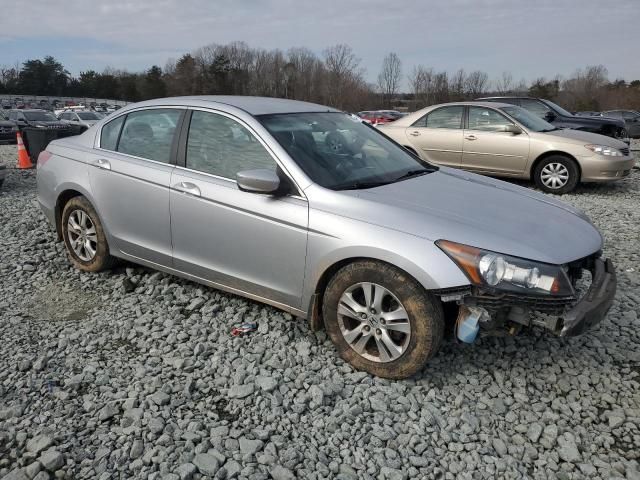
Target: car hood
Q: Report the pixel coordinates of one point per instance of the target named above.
(478, 211)
(588, 138)
(596, 121)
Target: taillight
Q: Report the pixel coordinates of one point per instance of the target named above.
(43, 157)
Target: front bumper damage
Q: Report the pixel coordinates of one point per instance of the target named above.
(593, 307)
(564, 316)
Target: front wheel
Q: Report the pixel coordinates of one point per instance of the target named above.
(381, 320)
(556, 174)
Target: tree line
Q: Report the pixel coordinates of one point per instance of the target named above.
(335, 77)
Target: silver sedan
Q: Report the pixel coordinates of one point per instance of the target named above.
(314, 212)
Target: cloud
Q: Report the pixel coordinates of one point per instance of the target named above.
(528, 38)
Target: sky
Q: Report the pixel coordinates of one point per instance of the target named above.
(531, 38)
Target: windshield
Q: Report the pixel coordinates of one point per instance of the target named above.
(40, 117)
(340, 152)
(89, 116)
(559, 109)
(528, 119)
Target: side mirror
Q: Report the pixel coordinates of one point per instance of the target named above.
(512, 128)
(549, 116)
(258, 181)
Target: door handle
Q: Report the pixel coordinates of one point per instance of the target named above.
(415, 133)
(470, 137)
(188, 188)
(102, 163)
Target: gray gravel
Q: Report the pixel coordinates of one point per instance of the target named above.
(134, 374)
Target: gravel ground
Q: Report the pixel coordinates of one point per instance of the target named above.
(134, 374)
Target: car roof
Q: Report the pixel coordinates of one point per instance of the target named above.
(251, 105)
(476, 103)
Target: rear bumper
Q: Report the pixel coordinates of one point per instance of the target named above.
(593, 307)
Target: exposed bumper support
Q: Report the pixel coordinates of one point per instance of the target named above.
(595, 304)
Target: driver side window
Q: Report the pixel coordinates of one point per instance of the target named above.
(221, 146)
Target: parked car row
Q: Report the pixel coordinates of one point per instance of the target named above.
(561, 118)
(380, 117)
(631, 118)
(306, 208)
(502, 139)
(55, 106)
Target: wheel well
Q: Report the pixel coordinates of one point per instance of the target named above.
(550, 154)
(63, 199)
(316, 321)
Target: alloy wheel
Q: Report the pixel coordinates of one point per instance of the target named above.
(373, 322)
(82, 235)
(554, 175)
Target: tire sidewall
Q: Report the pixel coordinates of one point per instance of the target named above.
(572, 168)
(102, 258)
(425, 318)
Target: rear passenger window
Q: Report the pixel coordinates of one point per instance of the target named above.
(110, 132)
(445, 117)
(221, 146)
(149, 134)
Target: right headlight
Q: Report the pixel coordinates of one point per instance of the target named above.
(604, 150)
(496, 271)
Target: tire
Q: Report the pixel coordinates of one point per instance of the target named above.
(557, 174)
(87, 262)
(424, 320)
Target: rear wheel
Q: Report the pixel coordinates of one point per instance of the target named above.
(557, 174)
(381, 320)
(84, 237)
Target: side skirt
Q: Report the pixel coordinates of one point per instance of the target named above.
(287, 308)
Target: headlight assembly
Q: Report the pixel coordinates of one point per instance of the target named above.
(604, 150)
(497, 271)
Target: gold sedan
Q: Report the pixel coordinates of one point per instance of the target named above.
(504, 140)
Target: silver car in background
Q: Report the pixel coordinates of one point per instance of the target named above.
(312, 211)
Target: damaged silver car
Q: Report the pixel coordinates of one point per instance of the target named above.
(310, 210)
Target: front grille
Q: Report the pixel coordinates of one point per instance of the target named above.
(625, 151)
(540, 304)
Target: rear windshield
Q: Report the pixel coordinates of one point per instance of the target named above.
(89, 116)
(40, 117)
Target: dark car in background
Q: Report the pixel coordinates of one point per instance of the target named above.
(631, 118)
(561, 118)
(8, 130)
(36, 118)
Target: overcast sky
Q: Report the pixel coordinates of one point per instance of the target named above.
(530, 38)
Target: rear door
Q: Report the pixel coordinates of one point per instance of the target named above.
(247, 242)
(488, 149)
(437, 136)
(130, 174)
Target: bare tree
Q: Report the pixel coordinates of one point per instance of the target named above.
(476, 83)
(421, 81)
(389, 77)
(343, 71)
(504, 84)
(457, 85)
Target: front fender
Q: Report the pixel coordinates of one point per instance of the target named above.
(345, 239)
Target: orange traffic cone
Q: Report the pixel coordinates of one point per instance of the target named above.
(23, 157)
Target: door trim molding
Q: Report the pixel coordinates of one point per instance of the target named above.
(219, 286)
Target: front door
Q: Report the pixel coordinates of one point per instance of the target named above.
(437, 136)
(487, 148)
(130, 175)
(248, 242)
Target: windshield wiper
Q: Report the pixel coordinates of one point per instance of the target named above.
(549, 130)
(413, 173)
(360, 185)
